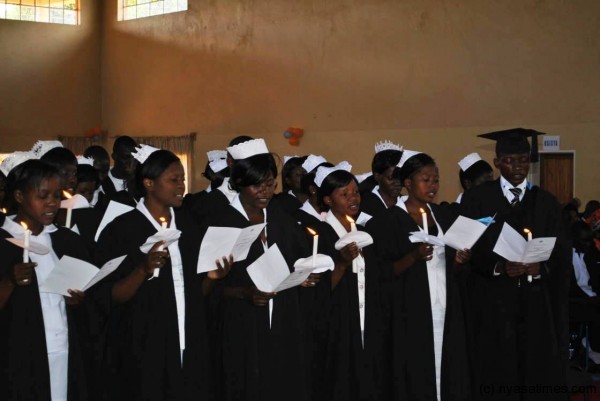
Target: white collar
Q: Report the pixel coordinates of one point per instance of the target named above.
(308, 208)
(290, 192)
(228, 192)
(142, 208)
(376, 192)
(17, 231)
(119, 183)
(237, 205)
(338, 227)
(506, 186)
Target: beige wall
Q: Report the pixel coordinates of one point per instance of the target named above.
(430, 74)
(49, 79)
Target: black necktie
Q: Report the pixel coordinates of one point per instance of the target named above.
(517, 193)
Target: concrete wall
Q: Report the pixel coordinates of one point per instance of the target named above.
(49, 79)
(430, 74)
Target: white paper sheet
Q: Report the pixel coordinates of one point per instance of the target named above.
(75, 274)
(270, 272)
(514, 248)
(34, 246)
(421, 236)
(169, 235)
(114, 210)
(225, 241)
(76, 202)
(464, 233)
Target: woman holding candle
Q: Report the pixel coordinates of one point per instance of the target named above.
(157, 340)
(262, 354)
(356, 366)
(428, 327)
(40, 339)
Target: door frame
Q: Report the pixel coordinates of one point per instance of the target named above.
(534, 171)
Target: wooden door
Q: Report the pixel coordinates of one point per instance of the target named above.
(556, 175)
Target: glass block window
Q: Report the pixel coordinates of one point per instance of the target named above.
(50, 11)
(134, 9)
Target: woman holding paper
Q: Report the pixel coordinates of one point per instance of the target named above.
(262, 355)
(40, 339)
(357, 335)
(157, 340)
(428, 327)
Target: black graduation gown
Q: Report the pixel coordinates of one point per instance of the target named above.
(24, 371)
(288, 203)
(371, 204)
(519, 333)
(412, 326)
(109, 192)
(200, 207)
(143, 354)
(354, 371)
(258, 363)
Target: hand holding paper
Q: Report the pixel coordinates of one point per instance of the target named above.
(71, 273)
(167, 236)
(514, 248)
(223, 241)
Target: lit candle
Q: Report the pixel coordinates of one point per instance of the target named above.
(529, 238)
(163, 226)
(352, 224)
(352, 229)
(425, 224)
(69, 210)
(315, 245)
(26, 243)
(3, 210)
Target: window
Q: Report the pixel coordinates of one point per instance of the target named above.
(51, 11)
(134, 9)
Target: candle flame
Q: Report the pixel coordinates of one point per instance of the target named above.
(3, 210)
(24, 225)
(313, 232)
(350, 219)
(162, 219)
(67, 195)
(422, 210)
(526, 231)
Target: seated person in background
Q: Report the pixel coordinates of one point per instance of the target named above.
(585, 282)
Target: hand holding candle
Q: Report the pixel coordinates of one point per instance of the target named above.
(26, 243)
(425, 223)
(69, 210)
(529, 238)
(352, 229)
(315, 245)
(163, 226)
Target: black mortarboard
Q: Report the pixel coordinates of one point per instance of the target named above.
(514, 140)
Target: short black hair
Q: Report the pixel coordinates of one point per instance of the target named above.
(59, 157)
(384, 160)
(412, 165)
(252, 170)
(240, 139)
(152, 168)
(87, 173)
(288, 168)
(26, 176)
(215, 177)
(124, 141)
(475, 171)
(333, 181)
(97, 152)
(308, 180)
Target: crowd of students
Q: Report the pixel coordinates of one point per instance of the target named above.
(394, 320)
